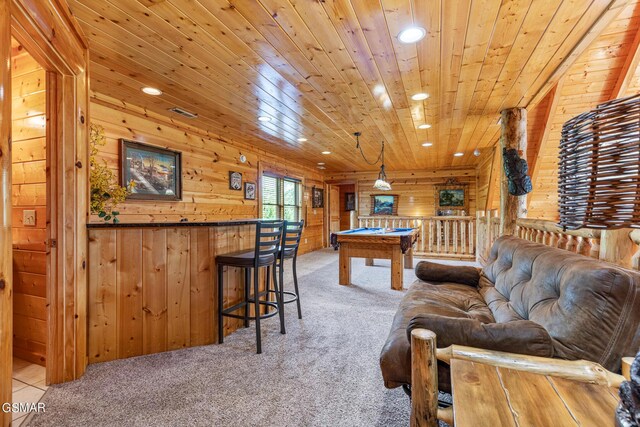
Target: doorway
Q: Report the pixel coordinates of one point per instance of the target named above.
(29, 211)
(342, 207)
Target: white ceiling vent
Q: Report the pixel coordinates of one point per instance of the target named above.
(182, 112)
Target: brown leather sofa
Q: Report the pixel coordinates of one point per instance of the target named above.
(528, 299)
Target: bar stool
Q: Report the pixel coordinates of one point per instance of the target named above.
(264, 255)
(289, 250)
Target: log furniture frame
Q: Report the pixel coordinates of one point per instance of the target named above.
(424, 373)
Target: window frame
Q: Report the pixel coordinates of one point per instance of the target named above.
(280, 200)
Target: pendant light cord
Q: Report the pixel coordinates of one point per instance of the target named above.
(380, 156)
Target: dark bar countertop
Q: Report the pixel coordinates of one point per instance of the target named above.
(173, 224)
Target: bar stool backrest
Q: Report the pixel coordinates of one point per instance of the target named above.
(291, 237)
(268, 238)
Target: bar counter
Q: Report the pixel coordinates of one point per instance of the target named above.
(152, 286)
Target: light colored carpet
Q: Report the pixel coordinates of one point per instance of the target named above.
(323, 372)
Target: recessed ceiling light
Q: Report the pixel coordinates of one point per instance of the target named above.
(420, 96)
(264, 119)
(427, 144)
(424, 126)
(302, 139)
(326, 152)
(458, 154)
(321, 167)
(412, 34)
(320, 163)
(151, 91)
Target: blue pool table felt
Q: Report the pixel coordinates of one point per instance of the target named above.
(377, 231)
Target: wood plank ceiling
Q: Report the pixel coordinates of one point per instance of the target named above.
(322, 70)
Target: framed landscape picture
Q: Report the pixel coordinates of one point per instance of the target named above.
(317, 197)
(451, 199)
(384, 204)
(156, 171)
(250, 190)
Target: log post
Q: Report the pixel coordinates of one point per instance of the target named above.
(513, 135)
(424, 379)
(6, 259)
(617, 247)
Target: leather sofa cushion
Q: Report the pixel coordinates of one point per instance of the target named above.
(434, 272)
(586, 305)
(445, 299)
(520, 336)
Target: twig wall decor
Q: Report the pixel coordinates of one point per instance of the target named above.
(599, 167)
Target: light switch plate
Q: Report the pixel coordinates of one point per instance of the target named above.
(29, 217)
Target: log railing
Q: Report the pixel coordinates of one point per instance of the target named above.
(488, 226)
(620, 247)
(440, 236)
(585, 241)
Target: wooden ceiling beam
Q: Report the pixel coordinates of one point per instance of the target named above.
(550, 114)
(628, 69)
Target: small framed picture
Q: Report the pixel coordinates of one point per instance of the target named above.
(349, 201)
(317, 197)
(250, 190)
(156, 171)
(235, 181)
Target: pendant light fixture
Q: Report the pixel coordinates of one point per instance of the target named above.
(381, 183)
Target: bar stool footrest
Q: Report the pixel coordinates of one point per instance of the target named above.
(293, 294)
(227, 312)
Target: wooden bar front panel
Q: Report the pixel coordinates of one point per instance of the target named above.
(153, 289)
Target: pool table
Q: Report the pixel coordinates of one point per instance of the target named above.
(395, 244)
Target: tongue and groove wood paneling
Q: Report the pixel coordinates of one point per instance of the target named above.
(206, 161)
(29, 175)
(154, 289)
(325, 69)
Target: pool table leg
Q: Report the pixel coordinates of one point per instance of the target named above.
(345, 265)
(368, 262)
(397, 267)
(408, 259)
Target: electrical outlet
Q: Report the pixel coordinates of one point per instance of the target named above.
(29, 217)
(305, 241)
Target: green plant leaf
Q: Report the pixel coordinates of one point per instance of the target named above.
(102, 214)
(107, 218)
(116, 220)
(115, 213)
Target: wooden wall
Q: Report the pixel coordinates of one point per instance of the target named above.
(154, 289)
(415, 189)
(591, 80)
(489, 171)
(29, 175)
(206, 162)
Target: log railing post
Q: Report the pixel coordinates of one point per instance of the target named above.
(616, 247)
(513, 123)
(424, 379)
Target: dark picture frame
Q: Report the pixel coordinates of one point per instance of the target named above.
(317, 197)
(349, 201)
(451, 198)
(250, 190)
(156, 171)
(384, 204)
(235, 181)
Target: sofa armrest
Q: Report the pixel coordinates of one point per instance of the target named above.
(519, 336)
(434, 272)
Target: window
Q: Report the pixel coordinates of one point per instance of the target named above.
(281, 198)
